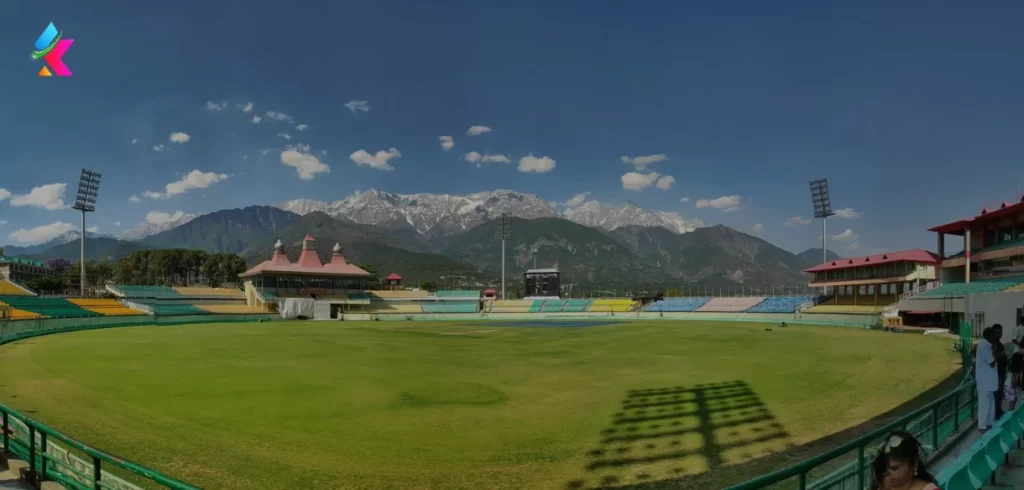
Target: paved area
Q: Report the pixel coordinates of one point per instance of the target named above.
(10, 481)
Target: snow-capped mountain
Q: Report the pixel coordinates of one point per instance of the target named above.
(597, 215)
(147, 228)
(444, 214)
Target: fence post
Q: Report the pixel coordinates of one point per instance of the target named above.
(7, 436)
(31, 450)
(860, 467)
(935, 428)
(97, 473)
(42, 461)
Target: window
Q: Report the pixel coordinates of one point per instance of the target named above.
(884, 289)
(991, 237)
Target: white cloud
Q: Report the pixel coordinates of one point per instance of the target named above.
(378, 161)
(358, 105)
(684, 199)
(93, 229)
(479, 160)
(159, 148)
(538, 165)
(180, 138)
(117, 223)
(135, 140)
(635, 181)
(797, 221)
(49, 197)
(665, 183)
(4, 194)
(302, 127)
(246, 108)
(265, 151)
(478, 130)
(758, 227)
(256, 119)
(161, 218)
(2, 222)
(305, 164)
(134, 199)
(302, 147)
(577, 200)
(846, 236)
(280, 116)
(41, 234)
(284, 135)
(214, 106)
(853, 247)
(848, 213)
(641, 163)
(728, 204)
(447, 142)
(195, 179)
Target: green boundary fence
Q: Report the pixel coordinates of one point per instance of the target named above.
(49, 453)
(848, 467)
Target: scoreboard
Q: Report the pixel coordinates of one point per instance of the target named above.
(544, 283)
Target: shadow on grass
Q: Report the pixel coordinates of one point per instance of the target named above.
(663, 434)
(713, 477)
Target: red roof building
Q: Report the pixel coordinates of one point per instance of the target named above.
(337, 280)
(393, 277)
(875, 280)
(992, 244)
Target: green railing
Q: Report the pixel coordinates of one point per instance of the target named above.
(935, 425)
(47, 460)
(54, 456)
(847, 467)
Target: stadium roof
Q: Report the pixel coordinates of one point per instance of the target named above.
(16, 260)
(914, 255)
(987, 215)
(308, 263)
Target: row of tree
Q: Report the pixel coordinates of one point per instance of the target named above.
(165, 267)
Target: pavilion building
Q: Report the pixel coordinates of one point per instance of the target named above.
(337, 285)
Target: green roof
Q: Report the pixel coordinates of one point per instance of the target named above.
(16, 260)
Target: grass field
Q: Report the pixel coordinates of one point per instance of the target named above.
(411, 405)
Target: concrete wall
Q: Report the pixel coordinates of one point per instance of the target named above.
(999, 308)
(955, 305)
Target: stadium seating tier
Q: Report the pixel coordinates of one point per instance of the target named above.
(157, 292)
(461, 293)
(8, 288)
(612, 305)
(680, 305)
(203, 292)
(450, 307)
(105, 307)
(48, 307)
(731, 305)
(780, 304)
(960, 289)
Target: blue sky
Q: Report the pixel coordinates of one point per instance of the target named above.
(913, 111)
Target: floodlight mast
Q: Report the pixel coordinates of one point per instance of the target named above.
(822, 203)
(503, 232)
(85, 201)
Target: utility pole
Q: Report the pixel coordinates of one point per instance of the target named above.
(503, 232)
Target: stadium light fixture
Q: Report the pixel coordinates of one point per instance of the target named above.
(88, 190)
(503, 232)
(822, 203)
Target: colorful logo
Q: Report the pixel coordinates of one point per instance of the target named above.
(51, 48)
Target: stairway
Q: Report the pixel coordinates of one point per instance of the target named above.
(1009, 476)
(9, 479)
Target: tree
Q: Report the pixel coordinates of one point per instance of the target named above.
(428, 286)
(372, 282)
(1, 251)
(46, 284)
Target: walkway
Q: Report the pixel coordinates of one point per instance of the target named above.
(10, 481)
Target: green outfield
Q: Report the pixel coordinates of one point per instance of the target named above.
(416, 405)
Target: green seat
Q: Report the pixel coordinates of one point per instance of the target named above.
(957, 475)
(980, 464)
(536, 305)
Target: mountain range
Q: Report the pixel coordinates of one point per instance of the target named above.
(428, 236)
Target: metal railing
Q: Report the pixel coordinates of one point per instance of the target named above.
(918, 290)
(935, 425)
(39, 445)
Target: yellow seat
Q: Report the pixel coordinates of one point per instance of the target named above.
(11, 289)
(398, 294)
(614, 305)
(230, 309)
(105, 307)
(511, 306)
(16, 314)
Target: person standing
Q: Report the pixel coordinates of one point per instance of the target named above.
(999, 353)
(987, 382)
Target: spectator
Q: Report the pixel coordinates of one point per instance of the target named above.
(987, 381)
(999, 352)
(1018, 335)
(899, 465)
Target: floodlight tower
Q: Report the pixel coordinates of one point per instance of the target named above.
(503, 232)
(88, 189)
(822, 204)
